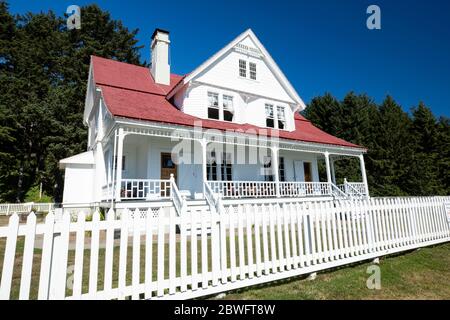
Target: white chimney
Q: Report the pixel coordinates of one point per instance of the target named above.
(160, 67)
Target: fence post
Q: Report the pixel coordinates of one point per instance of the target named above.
(56, 275)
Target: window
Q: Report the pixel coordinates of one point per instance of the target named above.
(243, 68)
(281, 169)
(211, 166)
(213, 105)
(281, 117)
(227, 173)
(252, 67)
(268, 174)
(228, 108)
(270, 121)
(123, 163)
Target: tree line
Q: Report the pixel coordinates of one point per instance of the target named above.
(408, 153)
(43, 75)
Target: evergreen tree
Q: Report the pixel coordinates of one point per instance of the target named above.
(43, 75)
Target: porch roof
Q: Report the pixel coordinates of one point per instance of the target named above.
(129, 91)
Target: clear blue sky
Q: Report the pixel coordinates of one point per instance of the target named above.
(320, 45)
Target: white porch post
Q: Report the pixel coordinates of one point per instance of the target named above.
(120, 139)
(327, 165)
(363, 173)
(333, 174)
(276, 172)
(203, 143)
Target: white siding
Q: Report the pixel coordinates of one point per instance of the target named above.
(223, 78)
(78, 184)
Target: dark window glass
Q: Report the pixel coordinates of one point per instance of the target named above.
(227, 115)
(270, 123)
(213, 113)
(281, 169)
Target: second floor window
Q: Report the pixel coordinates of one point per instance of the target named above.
(228, 108)
(281, 117)
(213, 105)
(270, 121)
(252, 67)
(243, 68)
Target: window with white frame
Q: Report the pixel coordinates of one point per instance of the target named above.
(211, 166)
(227, 169)
(243, 68)
(252, 69)
(281, 117)
(268, 172)
(213, 105)
(270, 119)
(228, 108)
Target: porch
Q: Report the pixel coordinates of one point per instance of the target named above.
(152, 167)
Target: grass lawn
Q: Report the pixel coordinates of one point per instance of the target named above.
(420, 274)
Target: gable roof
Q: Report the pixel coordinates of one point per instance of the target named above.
(266, 56)
(129, 91)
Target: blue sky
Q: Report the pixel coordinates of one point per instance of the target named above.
(321, 46)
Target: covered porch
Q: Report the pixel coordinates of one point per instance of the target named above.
(152, 164)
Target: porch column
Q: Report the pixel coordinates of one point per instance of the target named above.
(276, 173)
(120, 139)
(333, 175)
(327, 165)
(363, 173)
(203, 143)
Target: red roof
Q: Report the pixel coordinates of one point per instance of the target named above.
(130, 91)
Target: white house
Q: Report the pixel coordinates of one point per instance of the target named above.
(237, 114)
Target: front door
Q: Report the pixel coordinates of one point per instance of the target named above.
(308, 171)
(168, 167)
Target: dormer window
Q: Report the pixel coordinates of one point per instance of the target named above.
(252, 67)
(281, 117)
(243, 68)
(270, 120)
(228, 108)
(213, 105)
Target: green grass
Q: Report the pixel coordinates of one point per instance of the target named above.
(420, 274)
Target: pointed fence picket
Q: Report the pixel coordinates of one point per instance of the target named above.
(167, 256)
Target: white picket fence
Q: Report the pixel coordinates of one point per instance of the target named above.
(9, 208)
(166, 256)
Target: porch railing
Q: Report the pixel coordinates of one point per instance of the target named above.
(302, 189)
(145, 189)
(353, 189)
(178, 201)
(264, 189)
(243, 189)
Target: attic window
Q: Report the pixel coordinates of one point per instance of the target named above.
(252, 67)
(243, 68)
